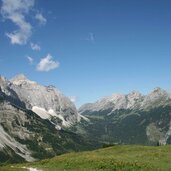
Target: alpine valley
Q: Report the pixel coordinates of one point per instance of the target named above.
(38, 122)
(129, 119)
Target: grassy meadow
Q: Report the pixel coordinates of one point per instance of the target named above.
(115, 158)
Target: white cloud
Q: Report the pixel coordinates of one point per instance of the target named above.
(73, 99)
(42, 20)
(16, 10)
(35, 47)
(47, 63)
(30, 59)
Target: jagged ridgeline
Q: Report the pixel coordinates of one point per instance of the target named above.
(129, 119)
(33, 122)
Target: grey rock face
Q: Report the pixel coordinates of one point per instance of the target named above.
(24, 136)
(33, 121)
(133, 100)
(46, 101)
(8, 116)
(131, 118)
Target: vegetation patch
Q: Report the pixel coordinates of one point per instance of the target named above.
(116, 158)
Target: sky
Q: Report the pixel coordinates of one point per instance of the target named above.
(88, 49)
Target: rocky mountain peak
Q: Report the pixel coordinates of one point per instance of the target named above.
(2, 79)
(116, 96)
(159, 90)
(20, 79)
(159, 93)
(135, 93)
(133, 100)
(46, 101)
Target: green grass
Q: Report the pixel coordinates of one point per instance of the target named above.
(116, 158)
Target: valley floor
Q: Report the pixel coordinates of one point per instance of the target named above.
(116, 158)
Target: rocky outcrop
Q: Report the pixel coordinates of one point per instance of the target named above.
(45, 101)
(132, 101)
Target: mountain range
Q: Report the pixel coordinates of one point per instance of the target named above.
(34, 121)
(129, 119)
(38, 121)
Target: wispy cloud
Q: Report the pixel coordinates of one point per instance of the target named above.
(73, 99)
(91, 37)
(47, 63)
(41, 19)
(30, 59)
(35, 46)
(16, 10)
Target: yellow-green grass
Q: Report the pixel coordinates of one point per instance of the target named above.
(116, 158)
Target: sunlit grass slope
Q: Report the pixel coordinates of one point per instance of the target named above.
(116, 158)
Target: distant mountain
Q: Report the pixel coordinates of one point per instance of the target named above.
(128, 119)
(132, 101)
(33, 119)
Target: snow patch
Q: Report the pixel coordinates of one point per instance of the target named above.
(52, 113)
(83, 117)
(58, 127)
(44, 114)
(41, 112)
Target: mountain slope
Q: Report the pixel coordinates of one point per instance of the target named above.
(25, 134)
(45, 101)
(129, 119)
(29, 137)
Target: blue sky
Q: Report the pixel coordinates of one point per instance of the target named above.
(88, 48)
